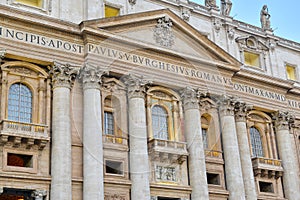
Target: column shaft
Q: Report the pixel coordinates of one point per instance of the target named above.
(93, 187)
(193, 133)
(139, 164)
(197, 167)
(290, 176)
(246, 161)
(233, 169)
(61, 186)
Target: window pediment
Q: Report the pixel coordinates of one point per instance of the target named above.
(24, 68)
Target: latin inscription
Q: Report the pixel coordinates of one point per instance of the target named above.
(39, 40)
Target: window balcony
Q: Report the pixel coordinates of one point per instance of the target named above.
(18, 133)
(266, 167)
(166, 150)
(113, 139)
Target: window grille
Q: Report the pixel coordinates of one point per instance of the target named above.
(204, 138)
(256, 143)
(160, 123)
(108, 123)
(20, 103)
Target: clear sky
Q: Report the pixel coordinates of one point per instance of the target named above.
(285, 15)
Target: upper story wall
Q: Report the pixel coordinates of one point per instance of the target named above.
(270, 55)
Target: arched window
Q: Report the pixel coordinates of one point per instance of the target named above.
(160, 123)
(256, 143)
(19, 103)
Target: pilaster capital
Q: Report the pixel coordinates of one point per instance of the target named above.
(240, 111)
(63, 75)
(226, 105)
(91, 76)
(136, 85)
(283, 120)
(190, 98)
(39, 193)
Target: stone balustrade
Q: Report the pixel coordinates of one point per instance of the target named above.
(115, 139)
(267, 167)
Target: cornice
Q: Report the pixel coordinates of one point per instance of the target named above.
(38, 19)
(258, 77)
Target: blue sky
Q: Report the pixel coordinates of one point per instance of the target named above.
(285, 15)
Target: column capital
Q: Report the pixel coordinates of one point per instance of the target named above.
(39, 193)
(63, 75)
(226, 105)
(240, 111)
(136, 85)
(91, 76)
(190, 98)
(283, 120)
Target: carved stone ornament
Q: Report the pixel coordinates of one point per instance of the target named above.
(211, 3)
(2, 54)
(185, 13)
(190, 98)
(283, 120)
(132, 2)
(91, 76)
(165, 173)
(136, 86)
(39, 193)
(114, 197)
(163, 33)
(63, 75)
(241, 110)
(217, 24)
(227, 105)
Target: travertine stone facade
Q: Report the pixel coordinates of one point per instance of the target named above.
(151, 105)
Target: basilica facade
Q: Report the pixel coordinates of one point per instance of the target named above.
(146, 100)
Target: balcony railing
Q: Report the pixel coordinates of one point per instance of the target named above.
(167, 150)
(267, 167)
(21, 132)
(114, 139)
(213, 154)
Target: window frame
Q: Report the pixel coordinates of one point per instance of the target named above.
(254, 145)
(32, 170)
(43, 9)
(295, 71)
(32, 103)
(113, 5)
(167, 121)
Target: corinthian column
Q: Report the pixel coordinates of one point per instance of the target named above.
(138, 155)
(63, 76)
(193, 133)
(233, 168)
(93, 187)
(244, 150)
(287, 155)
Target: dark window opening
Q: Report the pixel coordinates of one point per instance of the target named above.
(266, 187)
(19, 160)
(167, 198)
(213, 179)
(113, 167)
(15, 194)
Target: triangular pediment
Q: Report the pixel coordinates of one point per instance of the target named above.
(167, 31)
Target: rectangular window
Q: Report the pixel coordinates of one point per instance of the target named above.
(213, 179)
(290, 72)
(36, 3)
(204, 138)
(111, 11)
(19, 160)
(251, 59)
(108, 123)
(266, 187)
(113, 167)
